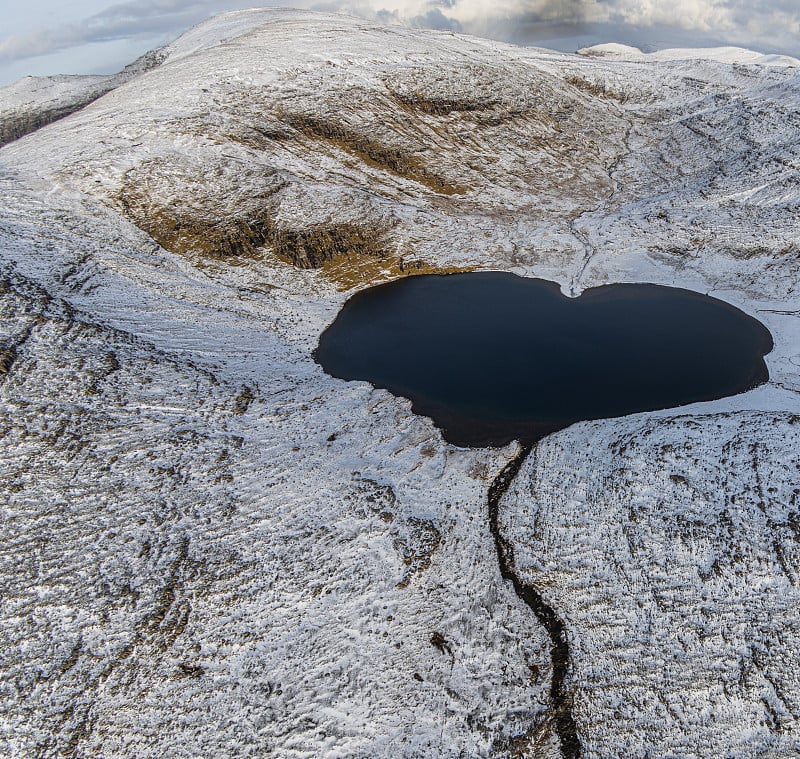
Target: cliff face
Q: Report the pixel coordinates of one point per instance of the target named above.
(34, 102)
(213, 548)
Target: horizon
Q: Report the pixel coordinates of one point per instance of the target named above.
(99, 37)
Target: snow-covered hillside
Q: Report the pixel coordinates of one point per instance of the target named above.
(732, 55)
(35, 101)
(211, 548)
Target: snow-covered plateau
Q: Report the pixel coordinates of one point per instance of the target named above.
(210, 548)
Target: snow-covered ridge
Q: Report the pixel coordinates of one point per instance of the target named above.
(48, 90)
(227, 27)
(33, 102)
(727, 54)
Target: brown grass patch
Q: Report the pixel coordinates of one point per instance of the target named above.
(347, 272)
(600, 90)
(193, 230)
(220, 239)
(372, 152)
(312, 247)
(441, 106)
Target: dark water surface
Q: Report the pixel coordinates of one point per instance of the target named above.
(492, 357)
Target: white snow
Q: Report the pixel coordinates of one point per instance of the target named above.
(727, 54)
(47, 90)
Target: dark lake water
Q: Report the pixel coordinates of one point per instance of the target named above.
(492, 357)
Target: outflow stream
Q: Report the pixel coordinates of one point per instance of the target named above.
(560, 700)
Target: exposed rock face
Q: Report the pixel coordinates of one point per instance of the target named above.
(212, 548)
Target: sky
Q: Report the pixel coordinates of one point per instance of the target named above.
(43, 37)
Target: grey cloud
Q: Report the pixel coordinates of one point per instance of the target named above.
(435, 19)
(120, 21)
(764, 24)
(768, 25)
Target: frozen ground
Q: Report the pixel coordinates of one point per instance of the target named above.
(210, 548)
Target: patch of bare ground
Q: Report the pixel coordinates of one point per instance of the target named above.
(347, 271)
(417, 545)
(747, 252)
(441, 106)
(183, 210)
(313, 246)
(182, 206)
(7, 357)
(371, 151)
(597, 89)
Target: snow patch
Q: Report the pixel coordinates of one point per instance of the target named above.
(619, 52)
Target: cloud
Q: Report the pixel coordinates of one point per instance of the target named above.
(691, 14)
(756, 23)
(127, 20)
(764, 24)
(695, 15)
